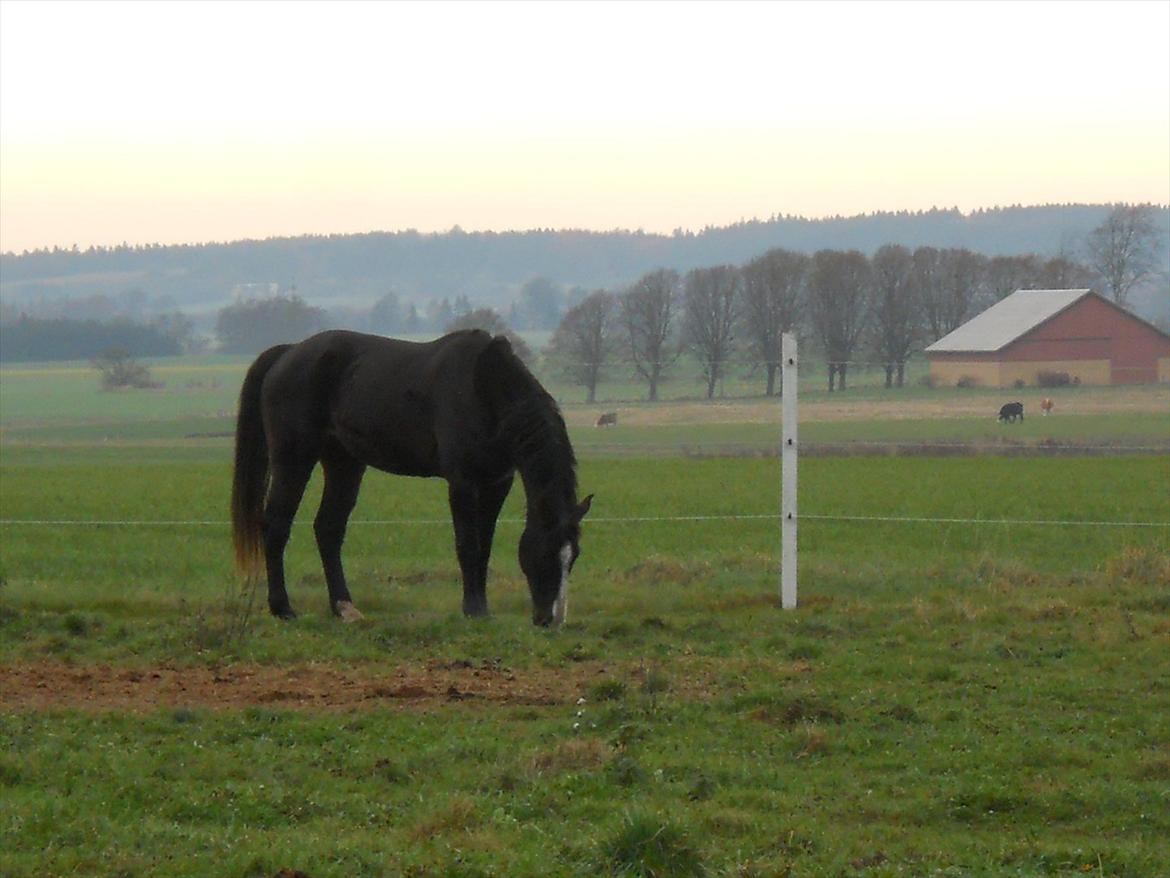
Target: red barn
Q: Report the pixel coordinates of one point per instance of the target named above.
(1031, 331)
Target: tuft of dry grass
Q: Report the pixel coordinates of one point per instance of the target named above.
(659, 569)
(799, 711)
(577, 754)
(811, 740)
(459, 814)
(1155, 765)
(1141, 564)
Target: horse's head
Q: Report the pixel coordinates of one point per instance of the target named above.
(548, 549)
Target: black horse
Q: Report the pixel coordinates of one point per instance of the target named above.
(462, 407)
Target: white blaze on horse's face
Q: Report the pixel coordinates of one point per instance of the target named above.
(561, 604)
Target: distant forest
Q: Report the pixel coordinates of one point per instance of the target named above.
(490, 269)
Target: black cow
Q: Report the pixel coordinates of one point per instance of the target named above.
(1011, 411)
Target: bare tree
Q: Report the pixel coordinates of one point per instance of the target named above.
(773, 289)
(894, 320)
(839, 290)
(948, 284)
(710, 313)
(1064, 273)
(1124, 249)
(584, 340)
(926, 272)
(647, 313)
(1006, 274)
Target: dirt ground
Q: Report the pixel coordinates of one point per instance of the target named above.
(50, 685)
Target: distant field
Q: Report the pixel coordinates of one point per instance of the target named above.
(976, 681)
(64, 404)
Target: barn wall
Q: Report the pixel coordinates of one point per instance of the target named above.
(1091, 330)
(989, 373)
(1093, 341)
(946, 373)
(1079, 371)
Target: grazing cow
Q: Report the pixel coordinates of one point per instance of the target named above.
(609, 419)
(1012, 410)
(1046, 406)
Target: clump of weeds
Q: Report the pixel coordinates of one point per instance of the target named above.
(645, 846)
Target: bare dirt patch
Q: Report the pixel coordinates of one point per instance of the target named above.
(54, 685)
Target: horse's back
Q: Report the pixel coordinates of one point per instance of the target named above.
(387, 402)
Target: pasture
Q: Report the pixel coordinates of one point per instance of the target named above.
(948, 699)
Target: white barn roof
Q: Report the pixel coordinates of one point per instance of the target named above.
(1007, 320)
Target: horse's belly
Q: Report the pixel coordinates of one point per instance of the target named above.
(401, 455)
(405, 466)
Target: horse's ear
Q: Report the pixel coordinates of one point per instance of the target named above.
(583, 507)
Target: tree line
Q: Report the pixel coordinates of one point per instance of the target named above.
(27, 339)
(850, 306)
(490, 267)
(881, 307)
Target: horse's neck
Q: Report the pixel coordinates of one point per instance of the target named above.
(539, 449)
(548, 495)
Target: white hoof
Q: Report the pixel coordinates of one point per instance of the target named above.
(347, 612)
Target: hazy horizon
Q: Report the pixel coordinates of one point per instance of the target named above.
(186, 123)
(617, 230)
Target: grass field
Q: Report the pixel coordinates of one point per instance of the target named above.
(950, 698)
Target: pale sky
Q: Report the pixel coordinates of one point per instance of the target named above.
(175, 122)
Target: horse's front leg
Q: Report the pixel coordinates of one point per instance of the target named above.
(464, 501)
(474, 510)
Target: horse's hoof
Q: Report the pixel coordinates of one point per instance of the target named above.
(287, 614)
(347, 612)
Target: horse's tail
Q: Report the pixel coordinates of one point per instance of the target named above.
(250, 478)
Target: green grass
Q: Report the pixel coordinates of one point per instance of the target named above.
(1011, 725)
(948, 699)
(172, 554)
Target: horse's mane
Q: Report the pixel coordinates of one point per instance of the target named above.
(529, 421)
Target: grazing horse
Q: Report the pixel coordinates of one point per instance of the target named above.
(462, 407)
(1046, 406)
(1010, 411)
(609, 419)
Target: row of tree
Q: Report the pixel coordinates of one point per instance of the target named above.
(490, 267)
(886, 306)
(539, 305)
(28, 339)
(850, 305)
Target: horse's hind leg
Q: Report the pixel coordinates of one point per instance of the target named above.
(284, 496)
(343, 478)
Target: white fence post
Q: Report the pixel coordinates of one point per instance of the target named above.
(788, 449)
